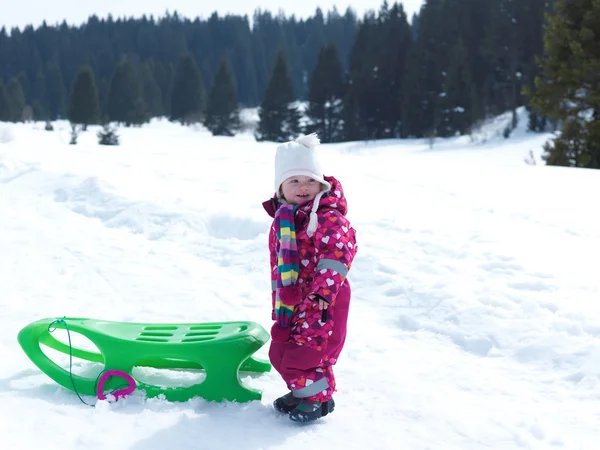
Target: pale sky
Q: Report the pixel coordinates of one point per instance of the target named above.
(21, 13)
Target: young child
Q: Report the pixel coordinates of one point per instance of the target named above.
(312, 246)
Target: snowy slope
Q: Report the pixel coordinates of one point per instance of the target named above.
(474, 320)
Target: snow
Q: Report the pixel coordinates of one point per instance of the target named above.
(474, 321)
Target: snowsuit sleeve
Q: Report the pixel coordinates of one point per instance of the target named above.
(335, 243)
(273, 258)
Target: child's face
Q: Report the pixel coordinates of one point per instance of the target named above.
(300, 189)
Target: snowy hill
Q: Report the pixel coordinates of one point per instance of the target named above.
(474, 321)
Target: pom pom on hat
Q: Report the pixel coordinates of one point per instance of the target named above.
(310, 140)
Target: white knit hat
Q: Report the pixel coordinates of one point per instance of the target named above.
(300, 158)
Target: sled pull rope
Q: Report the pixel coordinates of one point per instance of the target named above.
(51, 329)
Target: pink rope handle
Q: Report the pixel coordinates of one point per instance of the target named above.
(120, 392)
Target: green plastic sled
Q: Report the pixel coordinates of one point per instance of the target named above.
(222, 349)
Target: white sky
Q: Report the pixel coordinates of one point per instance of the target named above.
(474, 322)
(22, 13)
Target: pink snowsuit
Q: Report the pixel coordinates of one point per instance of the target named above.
(305, 353)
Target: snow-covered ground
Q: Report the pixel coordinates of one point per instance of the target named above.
(475, 319)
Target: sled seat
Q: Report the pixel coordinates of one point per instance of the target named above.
(221, 349)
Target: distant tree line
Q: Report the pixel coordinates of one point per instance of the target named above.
(456, 63)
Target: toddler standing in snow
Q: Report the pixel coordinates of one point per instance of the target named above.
(312, 246)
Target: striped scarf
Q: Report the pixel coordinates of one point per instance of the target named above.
(287, 259)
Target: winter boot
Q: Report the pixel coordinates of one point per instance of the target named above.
(287, 403)
(308, 411)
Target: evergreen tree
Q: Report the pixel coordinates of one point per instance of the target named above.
(5, 53)
(424, 99)
(103, 88)
(456, 104)
(503, 54)
(536, 121)
(40, 97)
(394, 41)
(55, 89)
(279, 117)
(25, 85)
(471, 26)
(359, 100)
(353, 129)
(163, 74)
(534, 41)
(16, 99)
(74, 134)
(325, 97)
(84, 107)
(413, 101)
(125, 97)
(340, 31)
(315, 40)
(222, 113)
(5, 114)
(568, 89)
(151, 91)
(108, 135)
(187, 96)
